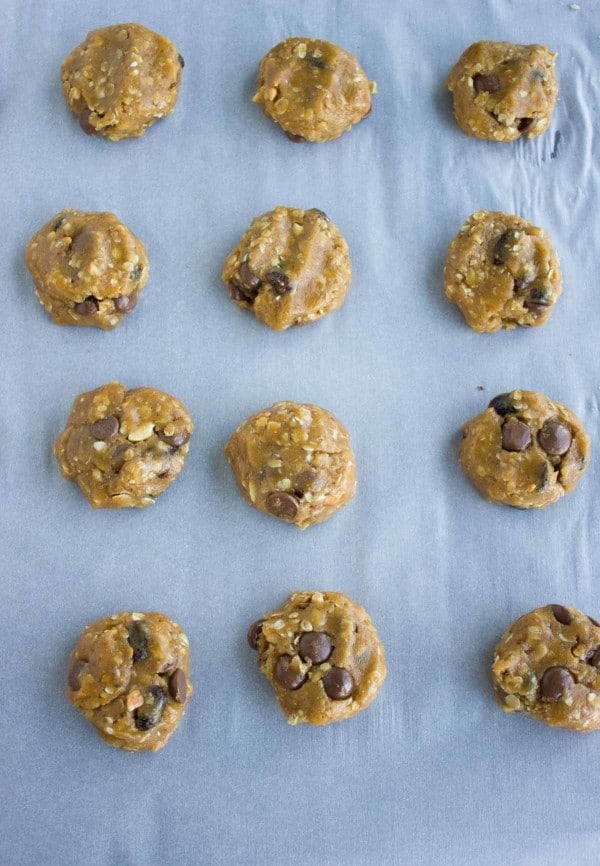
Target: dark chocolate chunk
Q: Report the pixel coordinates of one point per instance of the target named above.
(254, 633)
(486, 83)
(525, 124)
(278, 281)
(503, 404)
(562, 614)
(84, 122)
(516, 435)
(178, 686)
(138, 640)
(150, 713)
(286, 676)
(73, 675)
(87, 307)
(555, 437)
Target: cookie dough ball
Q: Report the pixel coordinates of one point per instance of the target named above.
(502, 271)
(291, 267)
(524, 450)
(504, 91)
(124, 447)
(129, 676)
(547, 665)
(313, 89)
(322, 655)
(294, 461)
(121, 80)
(88, 268)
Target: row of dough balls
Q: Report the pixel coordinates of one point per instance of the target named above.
(294, 461)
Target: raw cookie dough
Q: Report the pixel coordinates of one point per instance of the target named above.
(124, 447)
(504, 91)
(313, 89)
(322, 655)
(524, 450)
(88, 268)
(121, 80)
(547, 665)
(291, 267)
(502, 271)
(129, 676)
(294, 461)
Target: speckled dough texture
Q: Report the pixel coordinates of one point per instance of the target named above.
(121, 80)
(313, 89)
(504, 91)
(88, 268)
(322, 655)
(124, 447)
(525, 450)
(129, 676)
(547, 666)
(290, 267)
(294, 461)
(501, 271)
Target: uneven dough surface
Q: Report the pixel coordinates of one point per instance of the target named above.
(313, 89)
(129, 676)
(322, 655)
(547, 665)
(504, 91)
(294, 461)
(124, 447)
(121, 80)
(88, 268)
(525, 450)
(290, 267)
(502, 271)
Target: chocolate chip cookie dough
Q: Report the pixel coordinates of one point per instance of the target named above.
(121, 80)
(291, 267)
(547, 665)
(88, 268)
(322, 655)
(525, 450)
(504, 91)
(313, 89)
(129, 676)
(502, 271)
(124, 447)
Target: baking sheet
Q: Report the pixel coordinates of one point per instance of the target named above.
(432, 772)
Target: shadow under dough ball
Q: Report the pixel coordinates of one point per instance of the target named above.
(313, 89)
(88, 268)
(129, 676)
(504, 91)
(524, 450)
(290, 267)
(294, 461)
(124, 447)
(501, 271)
(547, 666)
(322, 655)
(121, 80)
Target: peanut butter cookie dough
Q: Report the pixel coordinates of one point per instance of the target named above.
(504, 91)
(525, 450)
(124, 447)
(322, 655)
(88, 268)
(129, 676)
(547, 665)
(291, 267)
(502, 271)
(294, 461)
(121, 80)
(313, 89)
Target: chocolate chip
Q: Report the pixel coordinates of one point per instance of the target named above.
(555, 682)
(338, 684)
(539, 298)
(504, 246)
(516, 435)
(126, 303)
(105, 428)
(315, 647)
(87, 307)
(308, 479)
(150, 713)
(561, 614)
(282, 505)
(254, 633)
(525, 124)
(278, 281)
(73, 675)
(178, 686)
(177, 439)
(521, 284)
(594, 621)
(84, 122)
(317, 62)
(555, 437)
(136, 272)
(58, 224)
(503, 404)
(138, 640)
(320, 213)
(486, 83)
(181, 60)
(593, 658)
(238, 292)
(286, 676)
(118, 458)
(295, 138)
(247, 277)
